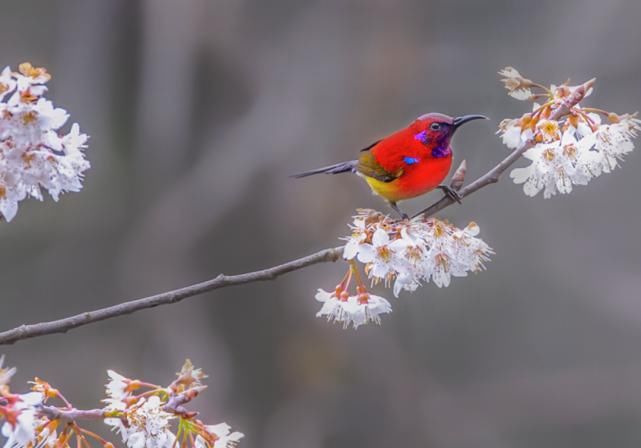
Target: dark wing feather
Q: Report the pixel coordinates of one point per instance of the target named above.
(368, 166)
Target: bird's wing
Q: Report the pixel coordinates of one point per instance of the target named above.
(368, 166)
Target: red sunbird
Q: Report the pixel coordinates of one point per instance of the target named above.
(408, 163)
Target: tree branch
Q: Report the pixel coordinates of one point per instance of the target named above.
(222, 281)
(165, 298)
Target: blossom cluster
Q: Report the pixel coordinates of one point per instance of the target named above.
(35, 154)
(145, 415)
(567, 144)
(401, 254)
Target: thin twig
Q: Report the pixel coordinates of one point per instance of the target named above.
(175, 405)
(165, 298)
(222, 281)
(176, 402)
(72, 414)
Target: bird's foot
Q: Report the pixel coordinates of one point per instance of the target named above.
(398, 210)
(451, 193)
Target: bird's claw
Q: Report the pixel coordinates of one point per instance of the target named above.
(398, 210)
(451, 193)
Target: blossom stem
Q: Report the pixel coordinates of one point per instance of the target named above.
(92, 435)
(540, 95)
(596, 110)
(588, 120)
(148, 393)
(354, 269)
(155, 387)
(64, 400)
(345, 281)
(542, 87)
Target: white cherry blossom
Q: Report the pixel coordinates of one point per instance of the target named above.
(36, 154)
(352, 310)
(567, 145)
(518, 87)
(116, 388)
(5, 372)
(403, 254)
(22, 432)
(222, 435)
(148, 425)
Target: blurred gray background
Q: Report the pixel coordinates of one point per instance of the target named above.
(198, 110)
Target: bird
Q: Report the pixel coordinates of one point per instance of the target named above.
(407, 163)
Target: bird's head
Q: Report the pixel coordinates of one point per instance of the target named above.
(437, 129)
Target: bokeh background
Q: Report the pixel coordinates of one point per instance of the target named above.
(198, 111)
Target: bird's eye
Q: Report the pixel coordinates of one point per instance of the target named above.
(435, 126)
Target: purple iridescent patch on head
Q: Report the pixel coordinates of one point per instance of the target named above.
(441, 151)
(421, 137)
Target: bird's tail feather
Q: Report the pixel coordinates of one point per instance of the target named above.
(342, 167)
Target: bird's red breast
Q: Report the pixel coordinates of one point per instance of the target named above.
(419, 159)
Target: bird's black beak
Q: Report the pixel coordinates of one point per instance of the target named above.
(458, 121)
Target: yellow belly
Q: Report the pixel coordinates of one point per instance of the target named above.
(387, 190)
